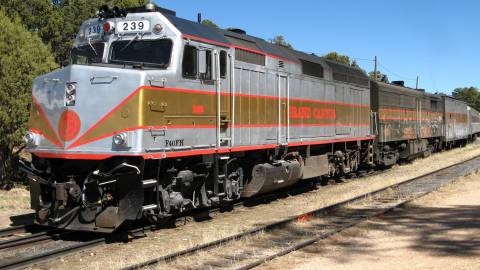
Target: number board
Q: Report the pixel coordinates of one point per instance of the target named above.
(93, 30)
(133, 26)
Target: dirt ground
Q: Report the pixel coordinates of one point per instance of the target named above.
(166, 241)
(13, 203)
(438, 231)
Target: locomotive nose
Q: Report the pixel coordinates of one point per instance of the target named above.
(52, 117)
(56, 111)
(67, 102)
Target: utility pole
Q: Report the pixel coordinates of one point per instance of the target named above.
(416, 87)
(375, 70)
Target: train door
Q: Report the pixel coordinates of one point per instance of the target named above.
(449, 119)
(342, 119)
(357, 112)
(225, 98)
(419, 117)
(283, 104)
(469, 121)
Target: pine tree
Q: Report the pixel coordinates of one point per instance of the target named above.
(23, 56)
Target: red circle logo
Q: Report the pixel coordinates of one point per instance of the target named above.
(68, 125)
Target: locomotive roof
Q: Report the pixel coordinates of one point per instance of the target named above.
(228, 38)
(409, 90)
(399, 88)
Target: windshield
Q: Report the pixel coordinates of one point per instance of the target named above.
(87, 54)
(143, 52)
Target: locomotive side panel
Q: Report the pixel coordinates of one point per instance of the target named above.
(310, 118)
(326, 110)
(397, 114)
(256, 107)
(409, 122)
(456, 119)
(431, 117)
(475, 121)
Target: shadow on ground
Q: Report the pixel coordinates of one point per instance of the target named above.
(452, 231)
(25, 219)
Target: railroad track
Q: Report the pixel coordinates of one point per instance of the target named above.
(79, 242)
(61, 243)
(36, 242)
(43, 236)
(20, 261)
(254, 247)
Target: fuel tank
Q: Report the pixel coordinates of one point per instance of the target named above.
(269, 177)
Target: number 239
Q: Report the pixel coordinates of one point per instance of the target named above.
(132, 26)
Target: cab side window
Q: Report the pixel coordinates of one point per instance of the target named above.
(189, 64)
(208, 75)
(223, 64)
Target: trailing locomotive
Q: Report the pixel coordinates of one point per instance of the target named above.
(157, 115)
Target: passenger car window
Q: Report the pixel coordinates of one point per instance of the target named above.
(189, 63)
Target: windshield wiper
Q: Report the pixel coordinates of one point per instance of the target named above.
(130, 42)
(91, 46)
(141, 64)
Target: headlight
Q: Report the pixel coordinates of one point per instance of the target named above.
(70, 93)
(120, 139)
(29, 138)
(157, 29)
(70, 100)
(71, 88)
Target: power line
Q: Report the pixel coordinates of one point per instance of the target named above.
(379, 64)
(396, 74)
(350, 57)
(363, 59)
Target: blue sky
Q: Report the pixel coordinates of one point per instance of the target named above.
(438, 40)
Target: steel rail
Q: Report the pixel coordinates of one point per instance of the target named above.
(30, 228)
(12, 230)
(29, 239)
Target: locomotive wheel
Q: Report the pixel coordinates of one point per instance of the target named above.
(236, 181)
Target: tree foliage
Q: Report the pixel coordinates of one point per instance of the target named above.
(354, 64)
(379, 76)
(210, 23)
(23, 56)
(57, 22)
(344, 59)
(280, 40)
(74, 12)
(471, 95)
